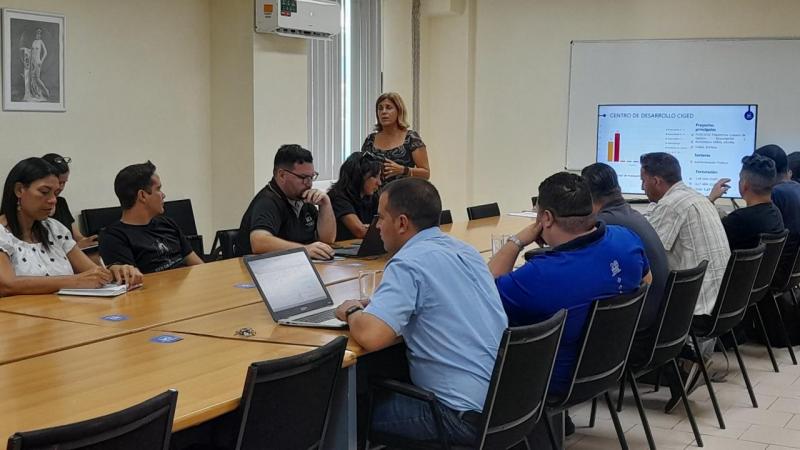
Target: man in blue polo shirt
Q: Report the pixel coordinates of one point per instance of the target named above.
(437, 294)
(586, 260)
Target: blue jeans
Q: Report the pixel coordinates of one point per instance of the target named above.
(411, 418)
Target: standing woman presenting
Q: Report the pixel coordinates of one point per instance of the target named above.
(404, 153)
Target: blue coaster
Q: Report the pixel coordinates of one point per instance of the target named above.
(244, 285)
(166, 339)
(115, 317)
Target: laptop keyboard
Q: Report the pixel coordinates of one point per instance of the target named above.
(319, 317)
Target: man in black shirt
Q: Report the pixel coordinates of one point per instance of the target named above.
(744, 225)
(143, 237)
(284, 213)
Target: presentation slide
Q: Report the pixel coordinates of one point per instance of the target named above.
(708, 140)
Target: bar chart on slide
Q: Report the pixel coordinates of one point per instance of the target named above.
(613, 148)
(709, 141)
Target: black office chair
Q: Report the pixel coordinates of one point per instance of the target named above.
(224, 246)
(147, 425)
(446, 217)
(94, 220)
(285, 401)
(774, 244)
(785, 283)
(516, 395)
(181, 212)
(600, 365)
(666, 341)
(482, 211)
(729, 310)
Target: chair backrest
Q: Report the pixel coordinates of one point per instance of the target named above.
(773, 249)
(788, 272)
(446, 217)
(518, 388)
(610, 327)
(734, 292)
(182, 213)
(96, 219)
(675, 315)
(285, 401)
(481, 211)
(534, 201)
(146, 425)
(224, 246)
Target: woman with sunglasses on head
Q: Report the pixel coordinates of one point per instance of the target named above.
(37, 253)
(61, 212)
(354, 197)
(403, 151)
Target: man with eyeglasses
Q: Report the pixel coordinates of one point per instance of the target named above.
(284, 213)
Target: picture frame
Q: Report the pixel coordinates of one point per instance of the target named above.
(33, 60)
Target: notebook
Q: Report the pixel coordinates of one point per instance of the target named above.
(109, 290)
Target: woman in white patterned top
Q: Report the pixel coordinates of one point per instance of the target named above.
(37, 253)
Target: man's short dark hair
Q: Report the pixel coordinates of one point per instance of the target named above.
(662, 165)
(568, 198)
(794, 164)
(775, 153)
(760, 172)
(290, 154)
(602, 181)
(418, 199)
(131, 180)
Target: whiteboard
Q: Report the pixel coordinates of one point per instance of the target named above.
(765, 72)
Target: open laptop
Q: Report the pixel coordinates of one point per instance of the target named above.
(371, 245)
(292, 289)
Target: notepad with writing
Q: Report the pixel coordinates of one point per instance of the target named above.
(109, 290)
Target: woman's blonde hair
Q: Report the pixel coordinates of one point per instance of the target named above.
(395, 98)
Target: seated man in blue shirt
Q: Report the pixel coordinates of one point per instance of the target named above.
(438, 295)
(586, 260)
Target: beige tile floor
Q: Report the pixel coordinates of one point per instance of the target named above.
(774, 425)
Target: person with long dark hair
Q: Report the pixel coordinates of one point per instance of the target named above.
(37, 253)
(61, 212)
(353, 195)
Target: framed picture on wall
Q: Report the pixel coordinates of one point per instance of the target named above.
(33, 61)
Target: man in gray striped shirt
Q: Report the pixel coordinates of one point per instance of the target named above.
(687, 223)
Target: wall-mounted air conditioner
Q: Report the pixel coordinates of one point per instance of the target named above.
(311, 19)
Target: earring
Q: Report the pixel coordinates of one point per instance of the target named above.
(19, 206)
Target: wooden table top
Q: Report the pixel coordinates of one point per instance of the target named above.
(103, 377)
(165, 297)
(169, 296)
(226, 323)
(478, 233)
(25, 337)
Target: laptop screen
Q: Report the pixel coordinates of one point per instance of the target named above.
(287, 281)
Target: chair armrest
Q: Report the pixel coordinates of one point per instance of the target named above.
(409, 390)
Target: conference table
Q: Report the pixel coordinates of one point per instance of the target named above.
(93, 356)
(98, 378)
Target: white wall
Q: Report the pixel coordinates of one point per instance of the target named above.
(280, 99)
(137, 88)
(515, 134)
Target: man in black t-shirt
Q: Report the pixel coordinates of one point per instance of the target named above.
(743, 226)
(143, 237)
(284, 213)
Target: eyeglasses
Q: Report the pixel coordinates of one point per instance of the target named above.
(305, 178)
(62, 160)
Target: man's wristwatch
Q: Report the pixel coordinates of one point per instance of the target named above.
(513, 238)
(352, 310)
